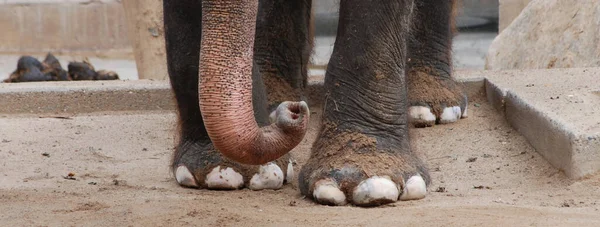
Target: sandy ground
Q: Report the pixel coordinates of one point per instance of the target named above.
(484, 173)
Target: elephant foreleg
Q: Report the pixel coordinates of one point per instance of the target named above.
(195, 162)
(434, 96)
(362, 154)
(182, 20)
(282, 47)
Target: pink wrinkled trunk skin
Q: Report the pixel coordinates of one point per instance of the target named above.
(225, 88)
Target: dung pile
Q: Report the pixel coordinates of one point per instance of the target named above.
(29, 69)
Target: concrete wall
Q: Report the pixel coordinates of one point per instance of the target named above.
(38, 26)
(99, 27)
(90, 28)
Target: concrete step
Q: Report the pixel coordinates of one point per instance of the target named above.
(75, 97)
(558, 111)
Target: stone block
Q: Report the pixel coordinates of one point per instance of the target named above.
(557, 111)
(549, 34)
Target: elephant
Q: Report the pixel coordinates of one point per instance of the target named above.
(390, 71)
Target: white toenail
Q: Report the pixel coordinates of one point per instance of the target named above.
(450, 115)
(414, 188)
(328, 192)
(224, 179)
(269, 176)
(421, 113)
(375, 189)
(289, 177)
(184, 177)
(457, 111)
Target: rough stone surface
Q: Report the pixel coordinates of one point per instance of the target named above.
(558, 111)
(549, 34)
(509, 10)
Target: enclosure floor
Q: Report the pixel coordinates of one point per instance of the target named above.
(484, 173)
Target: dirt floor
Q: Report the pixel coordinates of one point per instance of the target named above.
(484, 174)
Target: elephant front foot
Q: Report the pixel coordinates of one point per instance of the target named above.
(354, 168)
(199, 165)
(434, 100)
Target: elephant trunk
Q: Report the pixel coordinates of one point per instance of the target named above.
(225, 88)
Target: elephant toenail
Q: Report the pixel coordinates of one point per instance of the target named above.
(184, 177)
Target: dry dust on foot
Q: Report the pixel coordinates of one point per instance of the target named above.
(349, 168)
(434, 100)
(197, 166)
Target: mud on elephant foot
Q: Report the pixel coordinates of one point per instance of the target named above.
(279, 91)
(434, 100)
(350, 167)
(199, 165)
